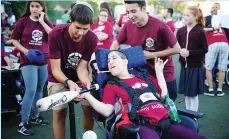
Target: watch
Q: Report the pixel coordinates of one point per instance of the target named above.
(66, 83)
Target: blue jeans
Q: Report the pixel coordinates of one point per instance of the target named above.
(34, 78)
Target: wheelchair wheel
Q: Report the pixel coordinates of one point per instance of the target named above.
(227, 77)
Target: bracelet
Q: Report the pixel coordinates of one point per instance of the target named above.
(66, 83)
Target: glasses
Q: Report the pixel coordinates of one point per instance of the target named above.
(103, 15)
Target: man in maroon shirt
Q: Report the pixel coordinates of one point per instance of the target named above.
(154, 36)
(70, 49)
(168, 13)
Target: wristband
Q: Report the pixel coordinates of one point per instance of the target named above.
(66, 83)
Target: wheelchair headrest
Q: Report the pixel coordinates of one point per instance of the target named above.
(135, 57)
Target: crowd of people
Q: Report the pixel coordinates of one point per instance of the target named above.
(67, 49)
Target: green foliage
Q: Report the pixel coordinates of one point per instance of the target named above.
(18, 7)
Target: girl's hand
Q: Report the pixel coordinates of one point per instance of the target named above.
(184, 53)
(41, 18)
(159, 64)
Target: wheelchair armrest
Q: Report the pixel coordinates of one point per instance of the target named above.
(128, 129)
(190, 113)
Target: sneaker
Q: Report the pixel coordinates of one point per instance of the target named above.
(209, 93)
(25, 129)
(39, 121)
(220, 93)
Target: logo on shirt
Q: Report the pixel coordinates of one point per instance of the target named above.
(139, 85)
(99, 29)
(150, 44)
(36, 37)
(73, 60)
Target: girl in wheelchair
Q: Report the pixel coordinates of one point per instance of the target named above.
(118, 67)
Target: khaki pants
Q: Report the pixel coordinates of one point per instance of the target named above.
(54, 88)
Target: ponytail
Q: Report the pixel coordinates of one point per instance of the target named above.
(197, 12)
(201, 20)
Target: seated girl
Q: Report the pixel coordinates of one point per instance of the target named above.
(117, 65)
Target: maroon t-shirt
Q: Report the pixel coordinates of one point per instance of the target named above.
(123, 19)
(32, 35)
(105, 28)
(216, 36)
(111, 91)
(171, 25)
(62, 47)
(154, 36)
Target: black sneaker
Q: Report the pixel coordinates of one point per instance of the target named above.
(25, 129)
(39, 121)
(220, 93)
(209, 93)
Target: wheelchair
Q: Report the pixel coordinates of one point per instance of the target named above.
(12, 93)
(136, 59)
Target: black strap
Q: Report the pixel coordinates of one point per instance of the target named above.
(132, 92)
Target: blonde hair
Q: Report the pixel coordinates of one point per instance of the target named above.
(197, 12)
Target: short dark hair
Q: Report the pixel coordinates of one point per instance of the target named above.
(82, 14)
(141, 3)
(72, 5)
(170, 10)
(120, 53)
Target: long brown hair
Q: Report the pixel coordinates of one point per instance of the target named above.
(197, 12)
(28, 13)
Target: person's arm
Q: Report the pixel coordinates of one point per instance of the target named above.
(83, 73)
(102, 108)
(106, 107)
(9, 62)
(42, 22)
(59, 75)
(17, 35)
(102, 36)
(159, 66)
(211, 29)
(115, 45)
(120, 38)
(21, 48)
(9, 41)
(106, 32)
(167, 52)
